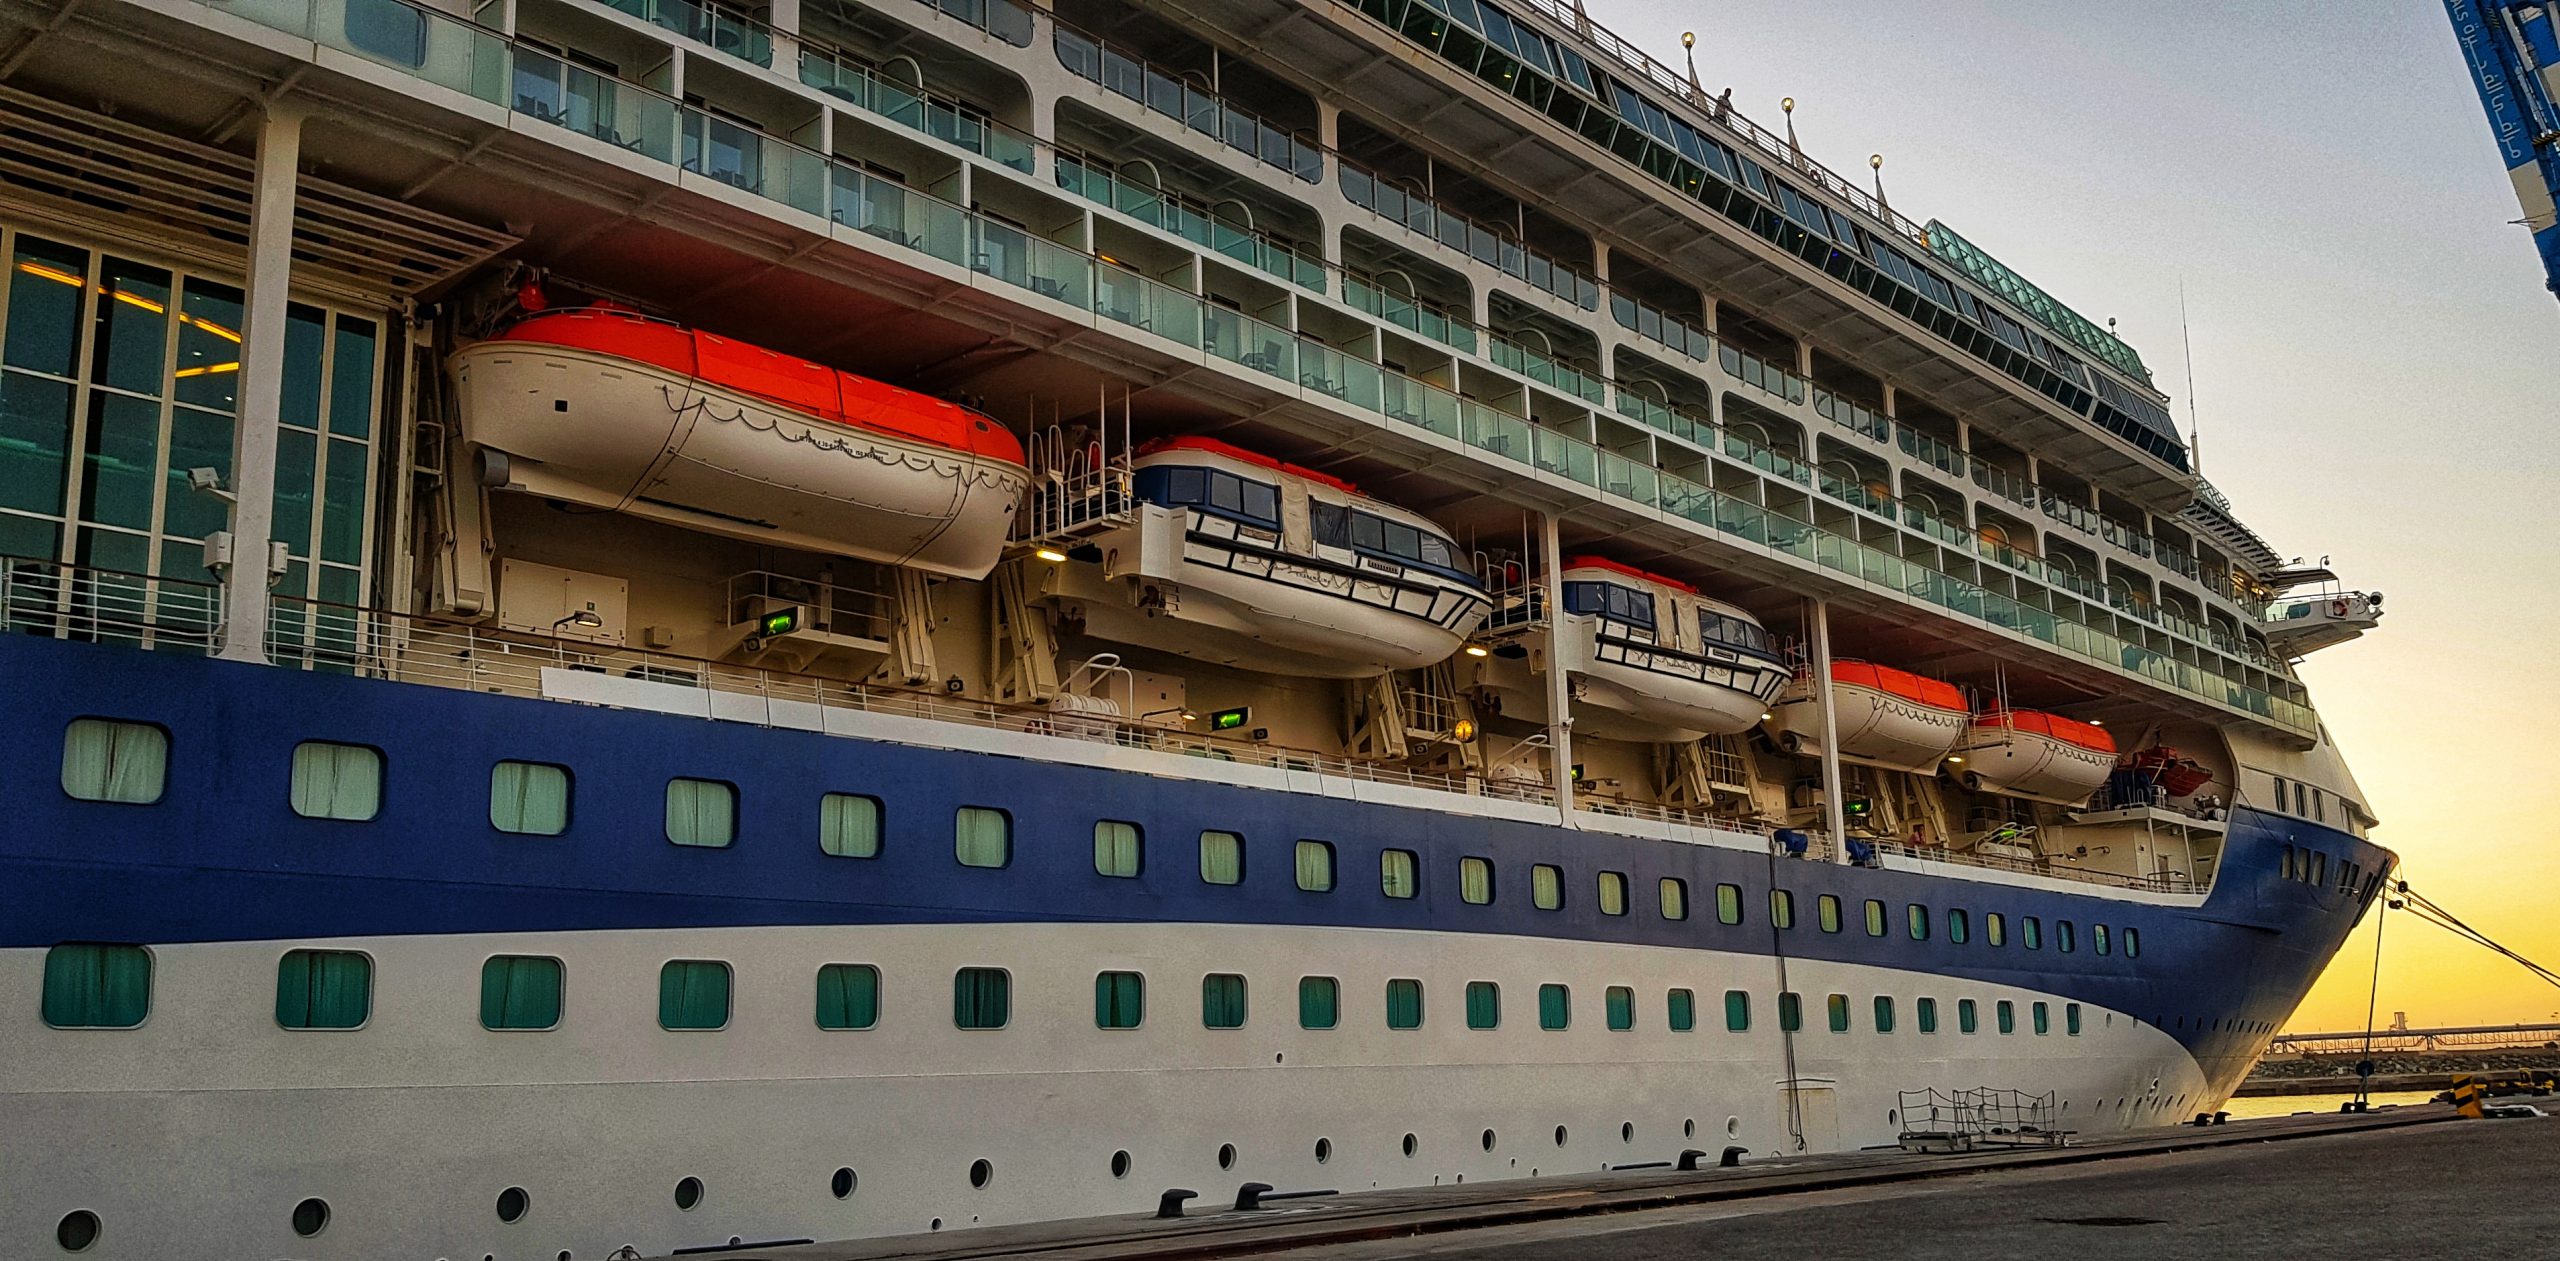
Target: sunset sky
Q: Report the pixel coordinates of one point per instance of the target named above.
(2377, 363)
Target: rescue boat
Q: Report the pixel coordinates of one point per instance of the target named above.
(1885, 717)
(2038, 756)
(1646, 657)
(1241, 559)
(611, 409)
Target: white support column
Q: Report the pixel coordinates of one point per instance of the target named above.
(253, 440)
(1834, 810)
(1559, 696)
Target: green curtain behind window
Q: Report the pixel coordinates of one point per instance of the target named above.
(701, 812)
(1484, 1005)
(1675, 898)
(1221, 858)
(1884, 1014)
(1968, 1017)
(323, 989)
(520, 992)
(693, 994)
(1837, 1007)
(1404, 1004)
(1622, 1007)
(1555, 1007)
(848, 996)
(1115, 848)
(849, 826)
(1728, 904)
(1737, 1010)
(982, 837)
(1791, 1012)
(1119, 1000)
(1613, 893)
(1222, 1001)
(114, 761)
(1681, 1011)
(1319, 1002)
(96, 986)
(981, 998)
(529, 798)
(1546, 886)
(336, 781)
(1396, 873)
(1315, 866)
(1925, 1012)
(1782, 908)
(1475, 880)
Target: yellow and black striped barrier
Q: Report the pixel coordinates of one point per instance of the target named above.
(2466, 1096)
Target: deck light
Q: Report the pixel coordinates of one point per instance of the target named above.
(1766, 716)
(583, 619)
(1463, 731)
(1956, 759)
(1478, 650)
(1051, 555)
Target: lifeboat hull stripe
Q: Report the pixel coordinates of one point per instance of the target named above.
(2053, 726)
(1742, 674)
(1451, 608)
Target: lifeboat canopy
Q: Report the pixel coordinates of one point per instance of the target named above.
(1647, 657)
(2039, 756)
(1885, 717)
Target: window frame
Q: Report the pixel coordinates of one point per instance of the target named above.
(1387, 882)
(1737, 1011)
(1672, 898)
(1469, 865)
(818, 1010)
(967, 971)
(1298, 865)
(728, 995)
(315, 954)
(1610, 882)
(879, 825)
(1113, 989)
(107, 950)
(1242, 999)
(1618, 1004)
(1236, 839)
(167, 753)
(1412, 986)
(1331, 988)
(667, 819)
(960, 817)
(1555, 1006)
(1546, 886)
(381, 779)
(1490, 994)
(559, 992)
(1137, 848)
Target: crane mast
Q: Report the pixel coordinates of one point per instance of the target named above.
(2513, 49)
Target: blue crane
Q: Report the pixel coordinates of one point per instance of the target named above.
(2513, 48)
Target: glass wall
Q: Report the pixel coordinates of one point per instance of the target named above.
(118, 375)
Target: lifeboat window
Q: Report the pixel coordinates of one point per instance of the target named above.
(1484, 1005)
(982, 837)
(1546, 887)
(1117, 848)
(1329, 523)
(1968, 1019)
(1836, 1008)
(1728, 904)
(2132, 943)
(2043, 1019)
(1995, 928)
(701, 812)
(336, 781)
(1732, 632)
(1221, 858)
(1368, 533)
(1924, 1014)
(849, 825)
(529, 798)
(1919, 918)
(1319, 1002)
(1184, 486)
(2098, 938)
(1475, 881)
(1315, 866)
(1403, 541)
(1737, 1011)
(1621, 1004)
(1261, 501)
(1875, 918)
(96, 986)
(520, 992)
(1119, 1000)
(2008, 1016)
(106, 760)
(1397, 876)
(1782, 908)
(1675, 898)
(2065, 938)
(1404, 1004)
(848, 996)
(981, 998)
(2031, 932)
(1555, 1006)
(1959, 926)
(1226, 492)
(1884, 1013)
(1826, 909)
(1613, 893)
(693, 994)
(1681, 1011)
(1222, 1001)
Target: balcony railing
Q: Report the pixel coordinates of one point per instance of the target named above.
(2078, 516)
(1852, 417)
(1930, 451)
(1545, 370)
(948, 121)
(1179, 216)
(729, 31)
(1661, 328)
(1165, 93)
(1760, 373)
(1417, 213)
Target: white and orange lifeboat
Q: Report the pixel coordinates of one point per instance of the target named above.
(605, 407)
(1237, 558)
(1885, 717)
(2039, 756)
(1647, 658)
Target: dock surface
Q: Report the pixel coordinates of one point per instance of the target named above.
(2400, 1182)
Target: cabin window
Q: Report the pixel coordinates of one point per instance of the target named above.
(982, 837)
(1675, 898)
(1404, 1003)
(2132, 943)
(849, 826)
(1484, 1005)
(106, 760)
(1919, 919)
(96, 986)
(2279, 782)
(693, 994)
(1728, 904)
(981, 998)
(1119, 1000)
(1875, 918)
(1968, 1020)
(2031, 932)
(1116, 849)
(1959, 926)
(520, 992)
(1221, 858)
(1782, 908)
(1826, 910)
(2043, 1019)
(1319, 1002)
(1399, 873)
(336, 781)
(323, 989)
(1315, 866)
(1791, 1012)
(848, 996)
(2008, 1016)
(2300, 794)
(2071, 1020)
(1621, 1003)
(1837, 1008)
(1995, 928)
(701, 812)
(1737, 1010)
(2320, 867)
(529, 798)
(1924, 1014)
(1546, 887)
(1681, 1011)
(1613, 893)
(1475, 881)
(2098, 938)
(1884, 1013)
(2065, 939)
(1555, 1006)
(1222, 1001)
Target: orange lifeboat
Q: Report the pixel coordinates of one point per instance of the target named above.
(1885, 717)
(606, 407)
(2039, 756)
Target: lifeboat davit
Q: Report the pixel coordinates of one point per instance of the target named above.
(608, 408)
(1885, 717)
(1646, 657)
(1240, 559)
(2042, 757)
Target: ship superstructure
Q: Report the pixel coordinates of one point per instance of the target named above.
(644, 623)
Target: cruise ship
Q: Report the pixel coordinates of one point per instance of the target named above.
(637, 625)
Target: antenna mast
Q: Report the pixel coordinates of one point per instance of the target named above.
(2187, 347)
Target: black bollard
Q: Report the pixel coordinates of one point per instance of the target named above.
(1170, 1203)
(1732, 1158)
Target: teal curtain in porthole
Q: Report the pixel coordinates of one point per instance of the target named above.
(1319, 1002)
(529, 798)
(1682, 1011)
(519, 992)
(1484, 1005)
(1404, 1004)
(96, 986)
(693, 994)
(1622, 1007)
(114, 761)
(1791, 1012)
(1737, 1010)
(848, 996)
(1884, 1014)
(1924, 1012)
(981, 998)
(1119, 1000)
(1222, 1001)
(701, 812)
(323, 989)
(1555, 1007)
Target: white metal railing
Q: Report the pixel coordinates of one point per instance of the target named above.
(42, 597)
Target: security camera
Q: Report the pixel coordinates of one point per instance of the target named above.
(204, 479)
